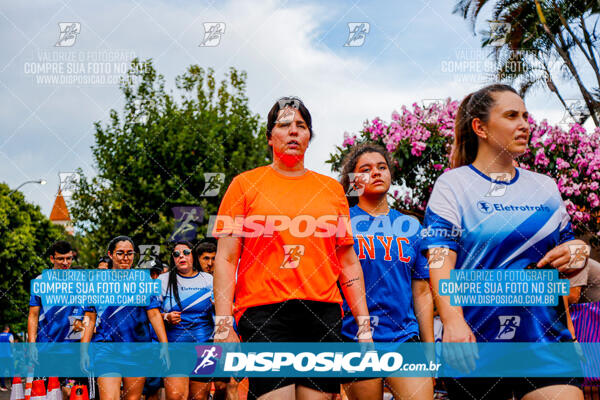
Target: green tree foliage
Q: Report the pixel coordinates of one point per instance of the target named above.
(547, 39)
(153, 155)
(25, 236)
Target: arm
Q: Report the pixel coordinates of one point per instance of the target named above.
(32, 323)
(423, 308)
(455, 326)
(228, 255)
(89, 323)
(353, 285)
(156, 320)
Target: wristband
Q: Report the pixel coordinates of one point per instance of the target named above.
(165, 316)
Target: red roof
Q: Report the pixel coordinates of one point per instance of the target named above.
(60, 212)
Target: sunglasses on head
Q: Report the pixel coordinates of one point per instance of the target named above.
(177, 253)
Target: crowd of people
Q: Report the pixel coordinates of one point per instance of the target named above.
(333, 262)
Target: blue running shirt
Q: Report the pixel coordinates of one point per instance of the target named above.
(122, 323)
(390, 258)
(500, 225)
(58, 323)
(197, 311)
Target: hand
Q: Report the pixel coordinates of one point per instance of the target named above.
(174, 317)
(461, 357)
(33, 353)
(567, 257)
(164, 355)
(84, 361)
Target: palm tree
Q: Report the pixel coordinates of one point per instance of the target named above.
(543, 34)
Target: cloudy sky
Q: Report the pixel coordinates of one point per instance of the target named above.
(413, 51)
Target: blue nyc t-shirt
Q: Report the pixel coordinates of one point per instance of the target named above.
(388, 249)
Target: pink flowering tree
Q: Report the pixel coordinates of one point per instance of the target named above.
(420, 140)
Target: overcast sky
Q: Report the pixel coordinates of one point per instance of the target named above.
(413, 51)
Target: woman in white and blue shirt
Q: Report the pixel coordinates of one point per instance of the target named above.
(487, 214)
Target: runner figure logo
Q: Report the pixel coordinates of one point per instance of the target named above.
(498, 33)
(497, 187)
(187, 221)
(436, 257)
(287, 116)
(207, 359)
(68, 183)
(293, 253)
(427, 103)
(576, 111)
(579, 255)
(68, 33)
(364, 331)
(357, 184)
(75, 327)
(214, 181)
(222, 329)
(148, 253)
(357, 33)
(212, 34)
(508, 326)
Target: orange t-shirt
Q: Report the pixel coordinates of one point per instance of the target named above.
(289, 227)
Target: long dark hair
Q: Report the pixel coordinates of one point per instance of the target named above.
(476, 105)
(172, 283)
(351, 159)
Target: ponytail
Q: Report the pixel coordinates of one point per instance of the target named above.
(476, 105)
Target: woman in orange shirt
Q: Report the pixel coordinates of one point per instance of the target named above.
(284, 233)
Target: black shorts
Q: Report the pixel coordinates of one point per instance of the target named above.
(292, 321)
(412, 339)
(500, 388)
(208, 379)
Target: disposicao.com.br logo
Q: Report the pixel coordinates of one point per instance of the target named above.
(370, 361)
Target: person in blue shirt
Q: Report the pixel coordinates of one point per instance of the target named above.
(395, 271)
(121, 324)
(487, 214)
(187, 308)
(6, 360)
(56, 323)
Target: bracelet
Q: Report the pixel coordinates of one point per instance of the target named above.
(165, 316)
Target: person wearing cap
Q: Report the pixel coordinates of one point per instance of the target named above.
(285, 281)
(156, 268)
